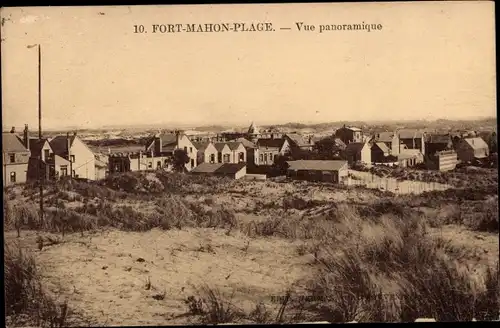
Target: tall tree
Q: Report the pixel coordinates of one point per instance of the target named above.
(180, 159)
(329, 148)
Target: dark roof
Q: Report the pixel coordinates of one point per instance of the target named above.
(12, 144)
(410, 134)
(354, 147)
(297, 139)
(36, 145)
(219, 168)
(316, 165)
(438, 138)
(246, 143)
(276, 143)
(230, 168)
(201, 146)
(168, 138)
(59, 145)
(384, 136)
(233, 145)
(220, 146)
(382, 146)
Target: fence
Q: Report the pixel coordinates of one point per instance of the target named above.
(255, 177)
(372, 181)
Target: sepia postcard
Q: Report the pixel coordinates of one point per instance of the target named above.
(250, 164)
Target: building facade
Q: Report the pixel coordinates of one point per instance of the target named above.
(314, 170)
(358, 152)
(349, 134)
(73, 157)
(469, 149)
(269, 149)
(412, 139)
(15, 159)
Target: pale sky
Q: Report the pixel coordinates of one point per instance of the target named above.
(429, 61)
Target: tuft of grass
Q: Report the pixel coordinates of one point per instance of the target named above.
(26, 301)
(213, 306)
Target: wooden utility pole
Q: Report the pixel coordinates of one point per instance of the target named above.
(40, 175)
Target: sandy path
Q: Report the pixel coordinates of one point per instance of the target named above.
(105, 276)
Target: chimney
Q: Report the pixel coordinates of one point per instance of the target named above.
(68, 145)
(26, 137)
(13, 130)
(177, 133)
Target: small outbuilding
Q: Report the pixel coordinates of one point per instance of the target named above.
(231, 170)
(318, 170)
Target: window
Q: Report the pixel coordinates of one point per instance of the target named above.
(12, 158)
(212, 158)
(265, 157)
(190, 149)
(241, 157)
(46, 154)
(13, 177)
(261, 158)
(64, 170)
(150, 165)
(219, 157)
(192, 163)
(72, 158)
(158, 165)
(226, 158)
(186, 149)
(73, 174)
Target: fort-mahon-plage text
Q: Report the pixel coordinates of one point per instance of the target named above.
(251, 27)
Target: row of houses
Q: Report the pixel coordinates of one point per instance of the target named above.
(409, 148)
(26, 158)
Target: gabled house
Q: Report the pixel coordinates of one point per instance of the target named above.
(410, 157)
(380, 152)
(349, 134)
(207, 153)
(358, 152)
(223, 152)
(138, 161)
(469, 149)
(164, 144)
(299, 143)
(238, 152)
(42, 160)
(412, 139)
(391, 140)
(437, 142)
(15, 159)
(269, 149)
(250, 148)
(73, 157)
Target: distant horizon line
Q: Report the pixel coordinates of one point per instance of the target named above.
(225, 124)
